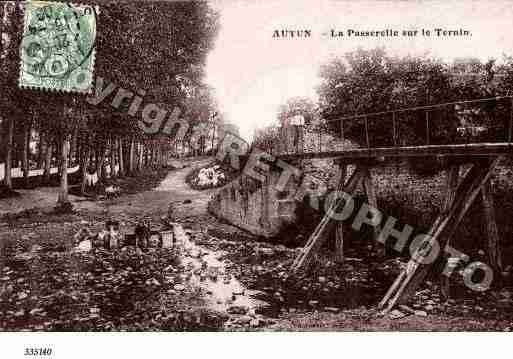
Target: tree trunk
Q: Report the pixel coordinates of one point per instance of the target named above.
(94, 158)
(41, 151)
(150, 156)
(141, 154)
(137, 154)
(147, 156)
(144, 162)
(149, 152)
(213, 138)
(48, 160)
(112, 157)
(25, 157)
(73, 154)
(79, 155)
(84, 167)
(63, 193)
(121, 158)
(131, 159)
(161, 156)
(157, 156)
(100, 160)
(8, 154)
(153, 157)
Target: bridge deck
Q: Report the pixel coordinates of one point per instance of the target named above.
(455, 150)
(433, 137)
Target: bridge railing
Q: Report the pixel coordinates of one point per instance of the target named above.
(487, 120)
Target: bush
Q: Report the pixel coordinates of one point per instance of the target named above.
(214, 175)
(7, 193)
(64, 208)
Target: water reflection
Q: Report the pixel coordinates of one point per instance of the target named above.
(207, 272)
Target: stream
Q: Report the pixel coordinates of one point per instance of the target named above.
(206, 271)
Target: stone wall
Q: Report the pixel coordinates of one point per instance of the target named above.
(253, 206)
(412, 198)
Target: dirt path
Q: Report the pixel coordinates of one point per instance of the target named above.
(152, 203)
(155, 203)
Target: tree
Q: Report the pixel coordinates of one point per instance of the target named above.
(9, 11)
(370, 81)
(162, 58)
(298, 106)
(200, 110)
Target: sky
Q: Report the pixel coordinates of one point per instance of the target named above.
(253, 73)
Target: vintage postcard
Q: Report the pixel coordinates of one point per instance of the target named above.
(254, 166)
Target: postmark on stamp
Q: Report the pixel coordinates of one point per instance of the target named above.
(58, 46)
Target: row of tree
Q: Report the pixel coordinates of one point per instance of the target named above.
(160, 48)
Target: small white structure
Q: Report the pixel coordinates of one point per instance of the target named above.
(91, 179)
(18, 173)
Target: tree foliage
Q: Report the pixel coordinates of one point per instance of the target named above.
(370, 81)
(298, 106)
(157, 49)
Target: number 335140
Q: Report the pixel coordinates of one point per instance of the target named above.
(38, 351)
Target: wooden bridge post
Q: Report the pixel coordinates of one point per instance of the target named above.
(339, 231)
(442, 230)
(492, 231)
(451, 184)
(372, 200)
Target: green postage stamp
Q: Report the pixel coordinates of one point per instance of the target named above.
(58, 46)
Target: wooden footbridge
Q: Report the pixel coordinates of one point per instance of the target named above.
(445, 129)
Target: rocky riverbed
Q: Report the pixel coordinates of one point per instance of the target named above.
(215, 277)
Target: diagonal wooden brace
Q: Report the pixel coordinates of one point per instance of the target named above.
(326, 225)
(492, 231)
(442, 230)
